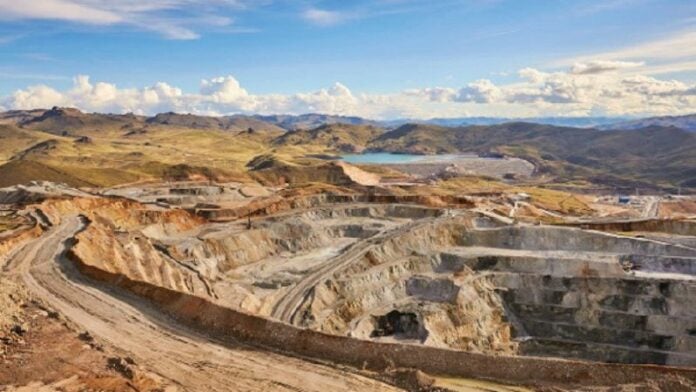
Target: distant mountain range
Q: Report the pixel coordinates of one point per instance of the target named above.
(577, 122)
(687, 123)
(288, 122)
(309, 121)
(70, 146)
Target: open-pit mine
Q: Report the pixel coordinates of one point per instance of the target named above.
(179, 252)
(238, 286)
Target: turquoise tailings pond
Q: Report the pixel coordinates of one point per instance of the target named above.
(387, 158)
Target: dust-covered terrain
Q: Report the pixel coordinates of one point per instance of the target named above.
(185, 253)
(185, 286)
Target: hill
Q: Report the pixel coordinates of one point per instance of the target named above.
(313, 120)
(103, 149)
(578, 122)
(68, 121)
(650, 155)
(237, 123)
(687, 122)
(337, 137)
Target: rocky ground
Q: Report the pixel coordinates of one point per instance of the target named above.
(77, 313)
(41, 351)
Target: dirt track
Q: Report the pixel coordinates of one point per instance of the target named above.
(287, 307)
(188, 359)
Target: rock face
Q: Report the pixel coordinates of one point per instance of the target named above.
(36, 191)
(412, 274)
(357, 175)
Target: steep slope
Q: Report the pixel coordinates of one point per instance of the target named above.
(313, 120)
(579, 122)
(337, 137)
(22, 172)
(14, 140)
(19, 116)
(69, 121)
(650, 155)
(687, 122)
(237, 123)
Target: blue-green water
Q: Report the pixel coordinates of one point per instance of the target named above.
(384, 158)
(381, 158)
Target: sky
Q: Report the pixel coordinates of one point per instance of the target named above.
(381, 59)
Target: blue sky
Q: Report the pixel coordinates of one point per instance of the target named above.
(421, 57)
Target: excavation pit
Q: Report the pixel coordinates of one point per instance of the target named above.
(448, 278)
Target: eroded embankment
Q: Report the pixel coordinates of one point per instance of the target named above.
(121, 214)
(12, 240)
(421, 275)
(670, 226)
(589, 295)
(279, 203)
(227, 323)
(199, 261)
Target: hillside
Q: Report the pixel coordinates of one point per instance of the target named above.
(312, 120)
(104, 149)
(652, 155)
(237, 123)
(687, 122)
(85, 149)
(67, 121)
(578, 122)
(337, 137)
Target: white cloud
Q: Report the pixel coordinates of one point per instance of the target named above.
(434, 94)
(673, 53)
(587, 89)
(58, 10)
(677, 46)
(40, 96)
(600, 66)
(536, 93)
(152, 15)
(480, 91)
(323, 17)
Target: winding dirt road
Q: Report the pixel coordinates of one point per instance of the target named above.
(288, 306)
(188, 359)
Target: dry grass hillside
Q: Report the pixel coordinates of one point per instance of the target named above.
(336, 137)
(91, 149)
(103, 150)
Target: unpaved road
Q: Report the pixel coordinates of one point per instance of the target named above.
(652, 207)
(286, 308)
(189, 360)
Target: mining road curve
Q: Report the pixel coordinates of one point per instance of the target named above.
(188, 359)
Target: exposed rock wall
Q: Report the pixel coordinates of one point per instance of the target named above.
(276, 204)
(679, 227)
(556, 238)
(226, 323)
(14, 239)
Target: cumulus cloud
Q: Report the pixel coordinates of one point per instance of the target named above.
(535, 93)
(480, 91)
(434, 94)
(586, 89)
(37, 97)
